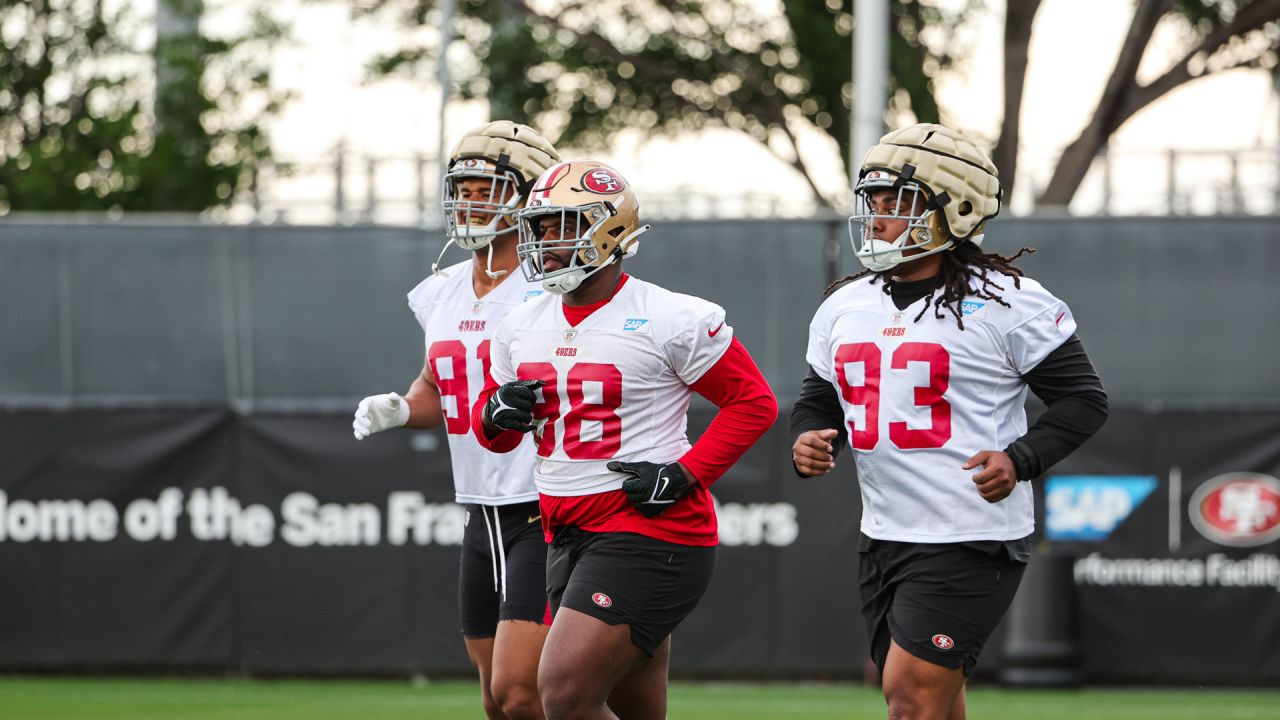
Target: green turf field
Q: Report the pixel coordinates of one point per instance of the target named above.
(130, 699)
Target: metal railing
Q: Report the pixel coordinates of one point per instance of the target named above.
(1166, 181)
(354, 188)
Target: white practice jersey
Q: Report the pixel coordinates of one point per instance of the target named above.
(617, 384)
(921, 398)
(459, 328)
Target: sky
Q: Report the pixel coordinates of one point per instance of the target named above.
(1074, 45)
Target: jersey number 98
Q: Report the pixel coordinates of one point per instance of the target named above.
(580, 409)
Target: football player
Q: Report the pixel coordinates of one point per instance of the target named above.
(602, 370)
(921, 363)
(502, 575)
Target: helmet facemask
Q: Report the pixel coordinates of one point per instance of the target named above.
(471, 221)
(596, 211)
(472, 218)
(950, 185)
(499, 160)
(579, 228)
(911, 202)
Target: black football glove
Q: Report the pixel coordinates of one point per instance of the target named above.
(652, 488)
(511, 406)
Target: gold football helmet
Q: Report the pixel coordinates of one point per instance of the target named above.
(950, 186)
(508, 155)
(598, 216)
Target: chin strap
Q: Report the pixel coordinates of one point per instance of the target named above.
(435, 266)
(488, 266)
(628, 251)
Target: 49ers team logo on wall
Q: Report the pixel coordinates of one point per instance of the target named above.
(602, 181)
(1239, 509)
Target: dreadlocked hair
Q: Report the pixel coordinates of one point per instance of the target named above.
(964, 273)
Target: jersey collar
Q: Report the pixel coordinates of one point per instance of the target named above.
(575, 314)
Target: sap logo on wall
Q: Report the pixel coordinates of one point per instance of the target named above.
(1090, 507)
(1238, 509)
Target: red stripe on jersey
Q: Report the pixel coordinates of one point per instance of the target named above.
(747, 410)
(691, 521)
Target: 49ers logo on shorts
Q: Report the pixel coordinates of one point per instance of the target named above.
(943, 642)
(602, 181)
(602, 600)
(1239, 509)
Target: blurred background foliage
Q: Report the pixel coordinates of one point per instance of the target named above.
(584, 70)
(99, 112)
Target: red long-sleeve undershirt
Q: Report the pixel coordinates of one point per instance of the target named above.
(747, 410)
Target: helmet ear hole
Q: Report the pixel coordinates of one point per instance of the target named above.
(938, 230)
(921, 237)
(614, 233)
(965, 208)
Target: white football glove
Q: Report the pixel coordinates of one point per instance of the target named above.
(380, 412)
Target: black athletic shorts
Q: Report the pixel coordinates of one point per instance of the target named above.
(939, 602)
(502, 575)
(628, 579)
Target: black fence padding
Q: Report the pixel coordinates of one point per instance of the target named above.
(273, 544)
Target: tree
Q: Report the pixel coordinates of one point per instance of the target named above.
(1219, 35)
(587, 69)
(584, 70)
(1018, 17)
(78, 109)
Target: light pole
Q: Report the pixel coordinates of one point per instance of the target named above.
(870, 73)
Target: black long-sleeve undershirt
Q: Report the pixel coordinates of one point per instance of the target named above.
(1076, 404)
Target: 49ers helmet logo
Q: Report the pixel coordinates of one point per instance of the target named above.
(1238, 509)
(602, 181)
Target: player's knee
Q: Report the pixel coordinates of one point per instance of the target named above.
(564, 706)
(903, 697)
(492, 709)
(561, 697)
(903, 706)
(518, 701)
